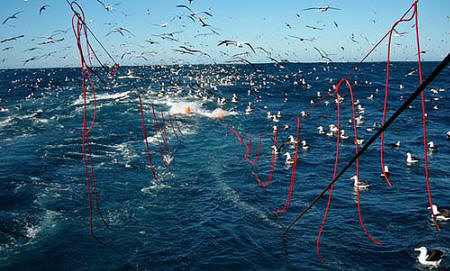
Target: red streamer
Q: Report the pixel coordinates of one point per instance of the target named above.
(294, 167)
(144, 131)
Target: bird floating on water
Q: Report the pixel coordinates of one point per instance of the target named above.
(396, 144)
(249, 108)
(289, 159)
(442, 214)
(432, 259)
(343, 135)
(358, 184)
(320, 130)
(386, 171)
(305, 146)
(411, 159)
(292, 140)
(432, 147)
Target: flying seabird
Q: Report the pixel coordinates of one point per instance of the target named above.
(399, 34)
(43, 8)
(204, 24)
(323, 54)
(120, 30)
(440, 213)
(12, 17)
(432, 259)
(236, 43)
(12, 38)
(30, 59)
(322, 9)
(314, 27)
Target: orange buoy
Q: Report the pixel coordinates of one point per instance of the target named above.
(220, 115)
(187, 110)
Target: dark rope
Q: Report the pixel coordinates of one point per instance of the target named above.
(405, 105)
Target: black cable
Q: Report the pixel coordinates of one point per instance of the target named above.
(402, 108)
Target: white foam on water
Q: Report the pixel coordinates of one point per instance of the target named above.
(5, 121)
(196, 109)
(47, 222)
(155, 139)
(153, 187)
(44, 121)
(103, 96)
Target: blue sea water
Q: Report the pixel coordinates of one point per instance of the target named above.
(208, 212)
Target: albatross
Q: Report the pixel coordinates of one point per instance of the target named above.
(289, 159)
(322, 9)
(305, 145)
(432, 259)
(358, 184)
(440, 213)
(411, 159)
(432, 147)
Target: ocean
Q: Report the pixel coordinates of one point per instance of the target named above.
(207, 211)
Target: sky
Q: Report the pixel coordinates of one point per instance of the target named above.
(345, 34)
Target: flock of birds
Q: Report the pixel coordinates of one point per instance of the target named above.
(139, 54)
(426, 258)
(200, 89)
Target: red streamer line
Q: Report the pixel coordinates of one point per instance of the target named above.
(269, 180)
(424, 121)
(85, 137)
(173, 128)
(253, 162)
(294, 167)
(335, 168)
(156, 131)
(164, 133)
(144, 131)
(386, 92)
